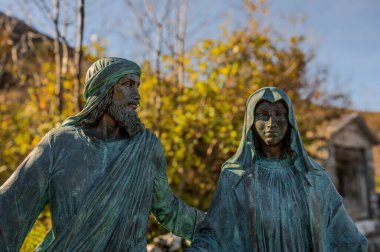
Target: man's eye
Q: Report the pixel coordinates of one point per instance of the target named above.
(128, 84)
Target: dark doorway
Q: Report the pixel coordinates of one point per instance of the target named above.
(351, 171)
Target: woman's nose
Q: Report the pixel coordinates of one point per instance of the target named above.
(272, 123)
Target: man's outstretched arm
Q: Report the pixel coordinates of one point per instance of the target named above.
(171, 212)
(23, 196)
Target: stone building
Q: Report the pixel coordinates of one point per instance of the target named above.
(373, 122)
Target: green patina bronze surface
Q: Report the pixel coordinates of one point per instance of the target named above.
(289, 204)
(100, 192)
(100, 77)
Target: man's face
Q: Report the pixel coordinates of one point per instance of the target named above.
(125, 100)
(126, 93)
(271, 122)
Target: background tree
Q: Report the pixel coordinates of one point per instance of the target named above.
(79, 55)
(161, 29)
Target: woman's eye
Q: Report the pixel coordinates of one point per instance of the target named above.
(261, 115)
(281, 114)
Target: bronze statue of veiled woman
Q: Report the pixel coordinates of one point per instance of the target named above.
(271, 196)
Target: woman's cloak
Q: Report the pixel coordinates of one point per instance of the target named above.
(230, 222)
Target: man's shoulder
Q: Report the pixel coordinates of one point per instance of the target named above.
(66, 132)
(149, 134)
(153, 142)
(63, 131)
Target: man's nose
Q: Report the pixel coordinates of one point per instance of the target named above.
(136, 95)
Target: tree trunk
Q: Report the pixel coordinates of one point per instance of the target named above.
(182, 24)
(78, 55)
(58, 59)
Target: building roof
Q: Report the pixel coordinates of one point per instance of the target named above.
(322, 134)
(329, 128)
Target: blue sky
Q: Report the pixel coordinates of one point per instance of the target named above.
(345, 34)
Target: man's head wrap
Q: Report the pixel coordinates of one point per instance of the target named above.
(101, 77)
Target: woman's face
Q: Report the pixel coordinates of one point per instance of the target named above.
(271, 122)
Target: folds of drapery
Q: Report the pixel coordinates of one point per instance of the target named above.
(114, 212)
(227, 224)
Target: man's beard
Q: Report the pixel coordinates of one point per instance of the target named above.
(126, 117)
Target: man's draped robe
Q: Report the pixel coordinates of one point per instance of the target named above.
(100, 193)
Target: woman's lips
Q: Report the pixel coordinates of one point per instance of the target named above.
(271, 133)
